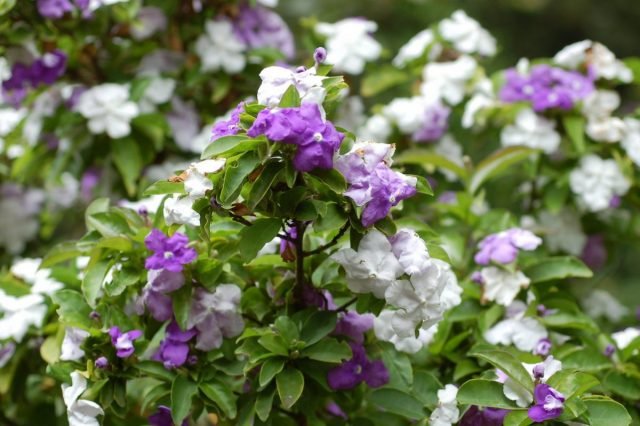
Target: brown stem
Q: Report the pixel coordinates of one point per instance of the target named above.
(331, 243)
(300, 228)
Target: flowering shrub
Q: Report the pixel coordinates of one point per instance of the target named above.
(316, 265)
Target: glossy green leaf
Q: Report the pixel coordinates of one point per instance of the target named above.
(269, 369)
(497, 163)
(319, 325)
(229, 145)
(254, 237)
(381, 79)
(484, 393)
(517, 418)
(572, 383)
(164, 187)
(73, 309)
(429, 159)
(264, 403)
(182, 391)
(93, 279)
(263, 182)
(328, 350)
(574, 125)
(397, 402)
(509, 364)
(236, 172)
(290, 384)
(557, 268)
(604, 411)
(222, 396)
(128, 161)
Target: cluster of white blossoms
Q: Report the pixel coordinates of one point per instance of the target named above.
(417, 287)
(602, 61)
(597, 182)
(502, 285)
(446, 412)
(532, 130)
(349, 44)
(108, 109)
(276, 80)
(220, 49)
(518, 330)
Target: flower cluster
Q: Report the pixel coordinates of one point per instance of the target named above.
(44, 70)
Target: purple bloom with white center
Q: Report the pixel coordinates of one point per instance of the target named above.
(543, 347)
(546, 87)
(357, 370)
(162, 417)
(549, 403)
(174, 348)
(435, 124)
(228, 127)
(316, 138)
(154, 294)
(102, 363)
(54, 9)
(504, 246)
(487, 416)
(170, 253)
(354, 325)
(123, 342)
(260, 27)
(48, 68)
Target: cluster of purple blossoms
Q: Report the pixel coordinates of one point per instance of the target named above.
(174, 348)
(56, 9)
(546, 87)
(549, 403)
(259, 27)
(372, 183)
(357, 370)
(44, 70)
(504, 246)
(170, 253)
(228, 127)
(123, 342)
(162, 417)
(154, 295)
(435, 124)
(316, 138)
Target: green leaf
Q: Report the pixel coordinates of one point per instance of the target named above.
(254, 237)
(99, 205)
(497, 163)
(604, 411)
(274, 343)
(264, 403)
(164, 187)
(332, 178)
(574, 126)
(399, 366)
(155, 369)
(287, 329)
(128, 161)
(423, 186)
(236, 172)
(229, 145)
(397, 402)
(222, 396)
(563, 320)
(586, 359)
(328, 350)
(60, 253)
(92, 281)
(382, 79)
(290, 98)
(319, 325)
(509, 364)
(485, 393)
(517, 418)
(153, 126)
(428, 160)
(73, 308)
(290, 383)
(263, 182)
(557, 268)
(572, 383)
(109, 224)
(181, 305)
(622, 384)
(269, 369)
(182, 390)
(425, 387)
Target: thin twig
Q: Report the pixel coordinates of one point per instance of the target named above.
(344, 307)
(300, 228)
(331, 243)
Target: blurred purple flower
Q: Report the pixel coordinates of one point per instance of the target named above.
(357, 370)
(503, 247)
(487, 416)
(354, 325)
(435, 123)
(259, 27)
(594, 253)
(162, 417)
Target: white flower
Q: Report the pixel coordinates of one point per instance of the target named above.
(601, 304)
(407, 113)
(416, 47)
(451, 292)
(349, 44)
(410, 344)
(196, 183)
(447, 80)
(215, 315)
(149, 204)
(502, 286)
(625, 337)
(531, 130)
(563, 232)
(5, 69)
(73, 339)
(65, 193)
(600, 104)
(411, 251)
(268, 3)
(478, 102)
(9, 120)
(80, 412)
(467, 35)
(447, 412)
(159, 91)
(179, 210)
(19, 218)
(149, 21)
(522, 332)
(276, 81)
(631, 140)
(607, 129)
(373, 267)
(20, 313)
(522, 396)
(376, 129)
(598, 56)
(108, 109)
(40, 279)
(596, 181)
(219, 48)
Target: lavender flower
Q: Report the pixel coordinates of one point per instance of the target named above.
(123, 342)
(44, 70)
(320, 55)
(174, 349)
(54, 9)
(154, 294)
(549, 403)
(503, 247)
(335, 410)
(487, 416)
(259, 27)
(317, 139)
(357, 370)
(543, 347)
(162, 417)
(88, 182)
(170, 253)
(435, 124)
(102, 363)
(354, 325)
(609, 350)
(215, 315)
(388, 188)
(228, 127)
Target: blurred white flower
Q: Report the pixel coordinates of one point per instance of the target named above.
(446, 412)
(159, 91)
(108, 109)
(562, 231)
(631, 139)
(416, 47)
(220, 49)
(73, 338)
(20, 313)
(624, 337)
(502, 286)
(601, 304)
(522, 332)
(376, 129)
(149, 21)
(532, 130)
(276, 80)
(384, 331)
(40, 280)
(596, 182)
(596, 55)
(447, 81)
(467, 35)
(349, 44)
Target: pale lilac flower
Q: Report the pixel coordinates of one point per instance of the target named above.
(320, 55)
(102, 363)
(357, 370)
(150, 20)
(504, 246)
(108, 109)
(543, 347)
(174, 348)
(435, 123)
(259, 27)
(6, 352)
(154, 294)
(54, 9)
(215, 315)
(170, 253)
(549, 404)
(524, 333)
(88, 182)
(123, 342)
(219, 48)
(354, 325)
(71, 344)
(609, 350)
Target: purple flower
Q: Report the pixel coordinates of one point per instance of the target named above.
(54, 9)
(594, 253)
(162, 417)
(354, 325)
(388, 188)
(170, 253)
(48, 68)
(321, 299)
(503, 247)
(228, 127)
(316, 138)
(357, 370)
(320, 55)
(174, 348)
(483, 417)
(435, 124)
(123, 342)
(335, 410)
(549, 403)
(88, 182)
(546, 87)
(154, 294)
(543, 347)
(102, 363)
(260, 27)
(609, 350)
